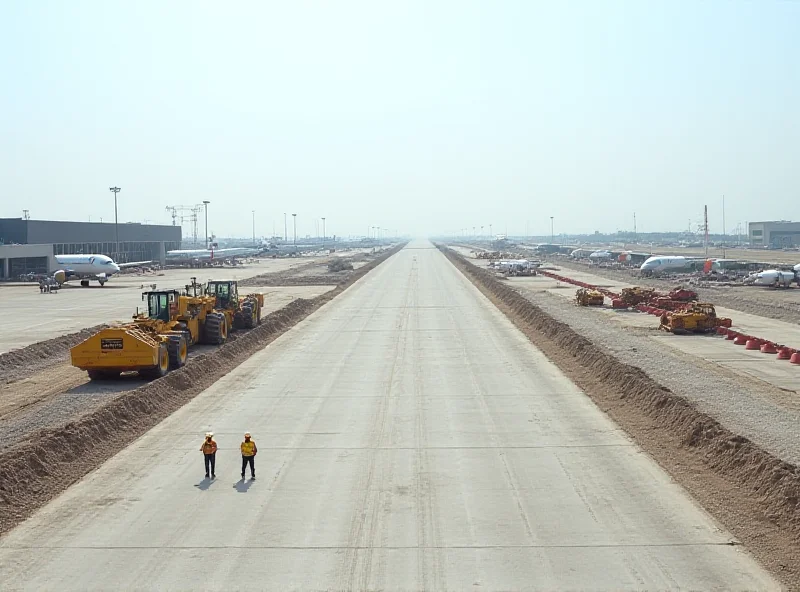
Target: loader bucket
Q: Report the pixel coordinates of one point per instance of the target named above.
(117, 349)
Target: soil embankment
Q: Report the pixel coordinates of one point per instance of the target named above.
(753, 493)
(47, 461)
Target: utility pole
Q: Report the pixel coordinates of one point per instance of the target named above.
(705, 227)
(294, 221)
(254, 228)
(323, 232)
(285, 233)
(634, 227)
(116, 221)
(205, 205)
(552, 234)
(491, 235)
(724, 238)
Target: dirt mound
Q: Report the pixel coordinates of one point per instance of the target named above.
(48, 461)
(332, 279)
(755, 494)
(20, 363)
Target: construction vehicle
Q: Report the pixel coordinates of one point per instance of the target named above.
(700, 317)
(240, 312)
(586, 297)
(636, 295)
(157, 340)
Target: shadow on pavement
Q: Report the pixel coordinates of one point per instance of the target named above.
(242, 486)
(204, 484)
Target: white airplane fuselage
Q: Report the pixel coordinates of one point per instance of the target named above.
(85, 267)
(659, 264)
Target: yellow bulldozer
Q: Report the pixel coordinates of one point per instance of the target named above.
(585, 297)
(157, 340)
(241, 312)
(700, 317)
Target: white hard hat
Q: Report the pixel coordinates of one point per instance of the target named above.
(246, 434)
(209, 434)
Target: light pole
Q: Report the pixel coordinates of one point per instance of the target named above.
(205, 205)
(551, 230)
(254, 228)
(491, 236)
(285, 234)
(116, 222)
(323, 232)
(294, 221)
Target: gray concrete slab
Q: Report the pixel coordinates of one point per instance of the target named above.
(409, 438)
(30, 316)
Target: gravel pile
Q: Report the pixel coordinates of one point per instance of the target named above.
(20, 363)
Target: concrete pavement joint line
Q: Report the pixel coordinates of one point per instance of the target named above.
(35, 470)
(365, 548)
(752, 492)
(435, 520)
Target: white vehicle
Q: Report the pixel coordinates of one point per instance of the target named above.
(601, 255)
(774, 278)
(581, 253)
(517, 264)
(85, 268)
(659, 264)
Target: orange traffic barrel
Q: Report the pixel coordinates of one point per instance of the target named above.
(795, 359)
(740, 340)
(785, 353)
(769, 348)
(753, 344)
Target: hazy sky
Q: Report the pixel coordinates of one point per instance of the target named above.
(422, 116)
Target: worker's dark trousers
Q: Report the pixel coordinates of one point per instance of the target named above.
(251, 460)
(210, 461)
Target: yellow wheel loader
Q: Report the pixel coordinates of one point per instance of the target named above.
(241, 312)
(156, 340)
(586, 297)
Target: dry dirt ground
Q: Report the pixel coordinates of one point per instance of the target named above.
(40, 388)
(780, 304)
(314, 273)
(58, 436)
(752, 492)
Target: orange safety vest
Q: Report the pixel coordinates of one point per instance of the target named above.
(209, 447)
(248, 448)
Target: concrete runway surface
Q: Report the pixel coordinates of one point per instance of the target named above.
(409, 438)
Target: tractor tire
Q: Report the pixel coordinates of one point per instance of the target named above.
(247, 315)
(239, 321)
(178, 351)
(161, 368)
(215, 331)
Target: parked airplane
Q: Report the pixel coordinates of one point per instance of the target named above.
(89, 267)
(601, 255)
(660, 264)
(209, 255)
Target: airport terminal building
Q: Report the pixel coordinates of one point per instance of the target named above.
(778, 234)
(29, 246)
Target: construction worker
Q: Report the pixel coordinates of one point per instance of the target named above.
(249, 452)
(209, 450)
